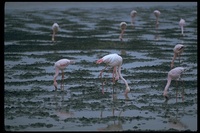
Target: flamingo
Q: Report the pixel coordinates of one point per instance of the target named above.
(55, 28)
(178, 49)
(174, 74)
(157, 14)
(123, 27)
(115, 61)
(133, 15)
(182, 24)
(61, 65)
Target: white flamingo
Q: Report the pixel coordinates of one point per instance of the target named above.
(133, 15)
(61, 65)
(123, 26)
(182, 24)
(174, 74)
(178, 49)
(157, 14)
(115, 61)
(55, 28)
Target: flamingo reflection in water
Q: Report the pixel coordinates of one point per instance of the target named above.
(61, 109)
(174, 120)
(117, 124)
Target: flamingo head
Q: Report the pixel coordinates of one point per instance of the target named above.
(72, 61)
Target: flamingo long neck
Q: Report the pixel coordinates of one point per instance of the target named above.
(174, 57)
(181, 29)
(56, 74)
(168, 83)
(119, 71)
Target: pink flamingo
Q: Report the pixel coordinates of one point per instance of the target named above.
(55, 28)
(133, 15)
(157, 14)
(115, 61)
(178, 49)
(123, 27)
(61, 65)
(174, 74)
(182, 24)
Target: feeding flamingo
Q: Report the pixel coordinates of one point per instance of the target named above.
(182, 24)
(174, 74)
(133, 15)
(61, 65)
(157, 14)
(123, 27)
(115, 61)
(55, 28)
(178, 49)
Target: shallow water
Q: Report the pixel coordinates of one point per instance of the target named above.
(88, 32)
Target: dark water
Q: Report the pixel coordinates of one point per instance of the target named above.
(87, 32)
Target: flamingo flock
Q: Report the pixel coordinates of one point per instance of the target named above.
(115, 60)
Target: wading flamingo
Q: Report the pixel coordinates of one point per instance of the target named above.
(55, 28)
(133, 15)
(123, 27)
(61, 65)
(182, 24)
(157, 14)
(178, 49)
(174, 74)
(115, 61)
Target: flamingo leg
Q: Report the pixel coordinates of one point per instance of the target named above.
(102, 71)
(114, 73)
(100, 75)
(176, 91)
(121, 35)
(102, 87)
(183, 91)
(62, 84)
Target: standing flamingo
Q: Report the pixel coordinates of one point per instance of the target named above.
(133, 15)
(157, 14)
(182, 24)
(174, 74)
(115, 61)
(178, 49)
(61, 65)
(55, 28)
(123, 27)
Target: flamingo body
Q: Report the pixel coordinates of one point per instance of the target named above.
(173, 74)
(123, 26)
(61, 65)
(178, 49)
(182, 24)
(55, 28)
(115, 61)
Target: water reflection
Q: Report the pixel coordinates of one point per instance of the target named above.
(157, 36)
(116, 124)
(61, 109)
(174, 116)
